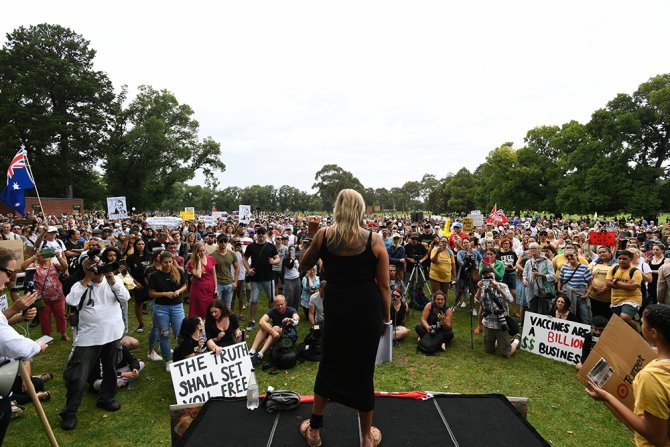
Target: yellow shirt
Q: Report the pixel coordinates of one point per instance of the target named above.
(599, 272)
(441, 270)
(651, 388)
(620, 296)
(560, 260)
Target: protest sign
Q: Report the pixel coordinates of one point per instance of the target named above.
(468, 224)
(199, 378)
(116, 208)
(160, 222)
(556, 339)
(188, 213)
(207, 220)
(602, 238)
(615, 360)
(216, 215)
(245, 214)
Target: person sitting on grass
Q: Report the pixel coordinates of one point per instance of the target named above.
(271, 325)
(437, 318)
(191, 340)
(127, 368)
(399, 309)
(494, 296)
(221, 327)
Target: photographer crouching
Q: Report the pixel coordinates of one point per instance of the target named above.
(494, 297)
(99, 328)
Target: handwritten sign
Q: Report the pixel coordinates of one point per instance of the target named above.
(199, 378)
(468, 224)
(207, 220)
(602, 238)
(160, 222)
(556, 339)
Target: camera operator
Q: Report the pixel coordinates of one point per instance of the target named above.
(399, 308)
(468, 265)
(13, 345)
(271, 326)
(437, 319)
(98, 333)
(494, 297)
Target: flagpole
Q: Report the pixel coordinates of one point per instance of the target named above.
(32, 177)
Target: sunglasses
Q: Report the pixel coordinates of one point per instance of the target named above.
(8, 272)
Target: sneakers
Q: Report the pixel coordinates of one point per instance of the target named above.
(140, 328)
(474, 312)
(255, 359)
(167, 366)
(154, 357)
(463, 303)
(250, 325)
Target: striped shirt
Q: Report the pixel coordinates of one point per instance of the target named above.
(581, 278)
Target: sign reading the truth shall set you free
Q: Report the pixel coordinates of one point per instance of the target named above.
(556, 339)
(201, 377)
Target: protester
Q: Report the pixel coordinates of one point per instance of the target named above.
(651, 386)
(98, 334)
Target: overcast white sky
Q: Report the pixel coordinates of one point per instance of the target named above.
(386, 90)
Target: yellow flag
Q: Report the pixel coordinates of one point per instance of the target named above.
(447, 228)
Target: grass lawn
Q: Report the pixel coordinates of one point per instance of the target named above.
(559, 408)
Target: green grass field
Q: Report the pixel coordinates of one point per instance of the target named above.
(559, 408)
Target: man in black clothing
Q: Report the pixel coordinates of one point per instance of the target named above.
(263, 256)
(271, 327)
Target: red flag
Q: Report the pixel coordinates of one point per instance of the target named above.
(497, 217)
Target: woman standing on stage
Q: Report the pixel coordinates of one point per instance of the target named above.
(357, 303)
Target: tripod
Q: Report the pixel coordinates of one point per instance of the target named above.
(413, 284)
(468, 289)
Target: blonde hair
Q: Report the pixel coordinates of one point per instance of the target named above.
(194, 254)
(348, 214)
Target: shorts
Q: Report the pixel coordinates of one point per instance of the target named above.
(256, 287)
(627, 309)
(510, 280)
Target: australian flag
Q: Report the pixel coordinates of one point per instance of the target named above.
(18, 180)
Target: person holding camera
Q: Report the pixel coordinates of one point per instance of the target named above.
(494, 296)
(99, 330)
(272, 324)
(437, 319)
(399, 309)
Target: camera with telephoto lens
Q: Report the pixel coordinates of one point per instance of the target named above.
(98, 267)
(469, 262)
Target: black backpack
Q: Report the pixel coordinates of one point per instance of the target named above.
(430, 343)
(310, 349)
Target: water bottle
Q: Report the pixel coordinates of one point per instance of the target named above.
(252, 391)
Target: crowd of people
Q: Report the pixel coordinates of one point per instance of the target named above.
(539, 264)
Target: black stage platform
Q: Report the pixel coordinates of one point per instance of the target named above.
(451, 420)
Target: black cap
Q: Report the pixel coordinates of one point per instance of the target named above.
(261, 230)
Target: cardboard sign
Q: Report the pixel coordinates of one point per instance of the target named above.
(207, 220)
(615, 360)
(201, 377)
(16, 247)
(160, 222)
(186, 215)
(468, 224)
(602, 238)
(555, 339)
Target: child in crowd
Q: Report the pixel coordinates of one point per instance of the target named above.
(598, 324)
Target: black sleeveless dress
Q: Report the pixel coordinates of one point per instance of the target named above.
(353, 319)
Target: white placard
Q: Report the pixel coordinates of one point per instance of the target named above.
(160, 222)
(116, 208)
(219, 215)
(207, 220)
(201, 377)
(245, 214)
(550, 337)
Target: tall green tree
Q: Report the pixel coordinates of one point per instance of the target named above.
(330, 180)
(155, 145)
(55, 104)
